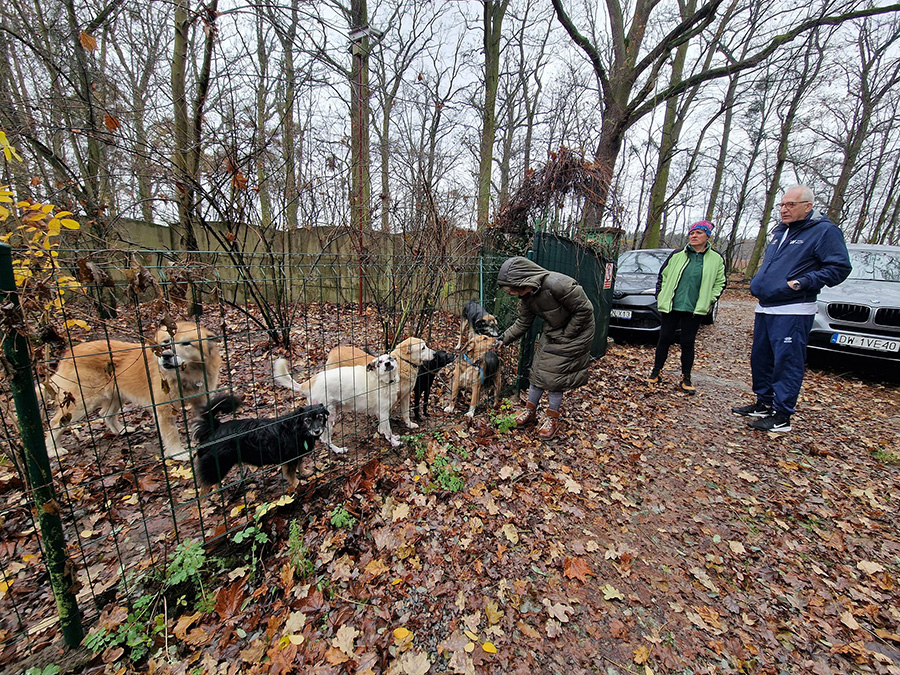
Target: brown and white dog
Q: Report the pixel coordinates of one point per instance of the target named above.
(410, 354)
(476, 321)
(106, 374)
(477, 370)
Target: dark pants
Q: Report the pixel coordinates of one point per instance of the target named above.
(670, 322)
(778, 358)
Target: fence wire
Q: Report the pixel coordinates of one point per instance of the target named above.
(125, 505)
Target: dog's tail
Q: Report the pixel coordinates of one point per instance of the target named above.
(207, 419)
(282, 374)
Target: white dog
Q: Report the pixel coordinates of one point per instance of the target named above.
(410, 354)
(371, 389)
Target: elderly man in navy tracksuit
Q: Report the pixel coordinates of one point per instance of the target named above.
(806, 252)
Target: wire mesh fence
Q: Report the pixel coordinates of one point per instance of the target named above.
(135, 358)
(136, 349)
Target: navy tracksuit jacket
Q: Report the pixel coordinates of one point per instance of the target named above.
(815, 254)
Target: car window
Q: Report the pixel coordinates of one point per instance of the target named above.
(641, 262)
(875, 265)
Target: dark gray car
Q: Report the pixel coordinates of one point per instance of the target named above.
(861, 316)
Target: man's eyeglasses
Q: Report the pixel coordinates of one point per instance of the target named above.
(790, 205)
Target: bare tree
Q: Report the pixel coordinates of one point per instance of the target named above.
(878, 74)
(628, 84)
(801, 78)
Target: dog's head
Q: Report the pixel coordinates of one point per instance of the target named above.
(486, 325)
(478, 346)
(192, 350)
(384, 366)
(414, 350)
(313, 419)
(441, 359)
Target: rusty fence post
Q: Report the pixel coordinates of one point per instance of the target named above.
(35, 459)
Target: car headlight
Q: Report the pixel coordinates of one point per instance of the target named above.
(649, 291)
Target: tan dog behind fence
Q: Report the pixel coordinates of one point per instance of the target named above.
(477, 370)
(104, 375)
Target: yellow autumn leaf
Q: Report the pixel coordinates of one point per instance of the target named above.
(469, 634)
(401, 633)
(70, 224)
(610, 592)
(284, 500)
(736, 547)
(376, 567)
(641, 654)
(489, 647)
(180, 471)
(492, 612)
(510, 532)
(8, 150)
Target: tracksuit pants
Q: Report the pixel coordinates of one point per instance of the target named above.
(778, 358)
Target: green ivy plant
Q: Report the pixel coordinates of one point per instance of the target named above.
(341, 518)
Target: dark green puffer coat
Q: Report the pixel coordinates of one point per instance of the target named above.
(562, 355)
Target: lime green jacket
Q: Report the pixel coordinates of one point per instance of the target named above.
(712, 283)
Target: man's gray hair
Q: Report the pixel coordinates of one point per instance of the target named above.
(806, 194)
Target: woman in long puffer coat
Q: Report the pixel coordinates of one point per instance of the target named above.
(563, 352)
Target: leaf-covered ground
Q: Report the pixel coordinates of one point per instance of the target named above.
(658, 534)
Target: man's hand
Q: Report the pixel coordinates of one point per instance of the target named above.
(498, 345)
(794, 284)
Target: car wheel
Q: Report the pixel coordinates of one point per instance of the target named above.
(710, 317)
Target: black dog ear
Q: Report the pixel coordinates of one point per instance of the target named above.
(371, 365)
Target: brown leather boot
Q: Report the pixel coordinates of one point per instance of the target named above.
(550, 427)
(527, 416)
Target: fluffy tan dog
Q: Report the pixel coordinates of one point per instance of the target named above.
(410, 354)
(105, 375)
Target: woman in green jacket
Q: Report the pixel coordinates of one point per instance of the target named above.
(690, 281)
(562, 355)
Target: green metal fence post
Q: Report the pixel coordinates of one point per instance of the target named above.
(61, 569)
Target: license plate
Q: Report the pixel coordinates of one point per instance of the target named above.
(875, 344)
(620, 313)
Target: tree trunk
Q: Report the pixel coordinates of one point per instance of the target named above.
(184, 184)
(723, 150)
(262, 119)
(494, 11)
(360, 184)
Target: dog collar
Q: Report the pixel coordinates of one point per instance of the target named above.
(475, 364)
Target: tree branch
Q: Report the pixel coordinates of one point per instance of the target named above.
(585, 44)
(755, 59)
(101, 18)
